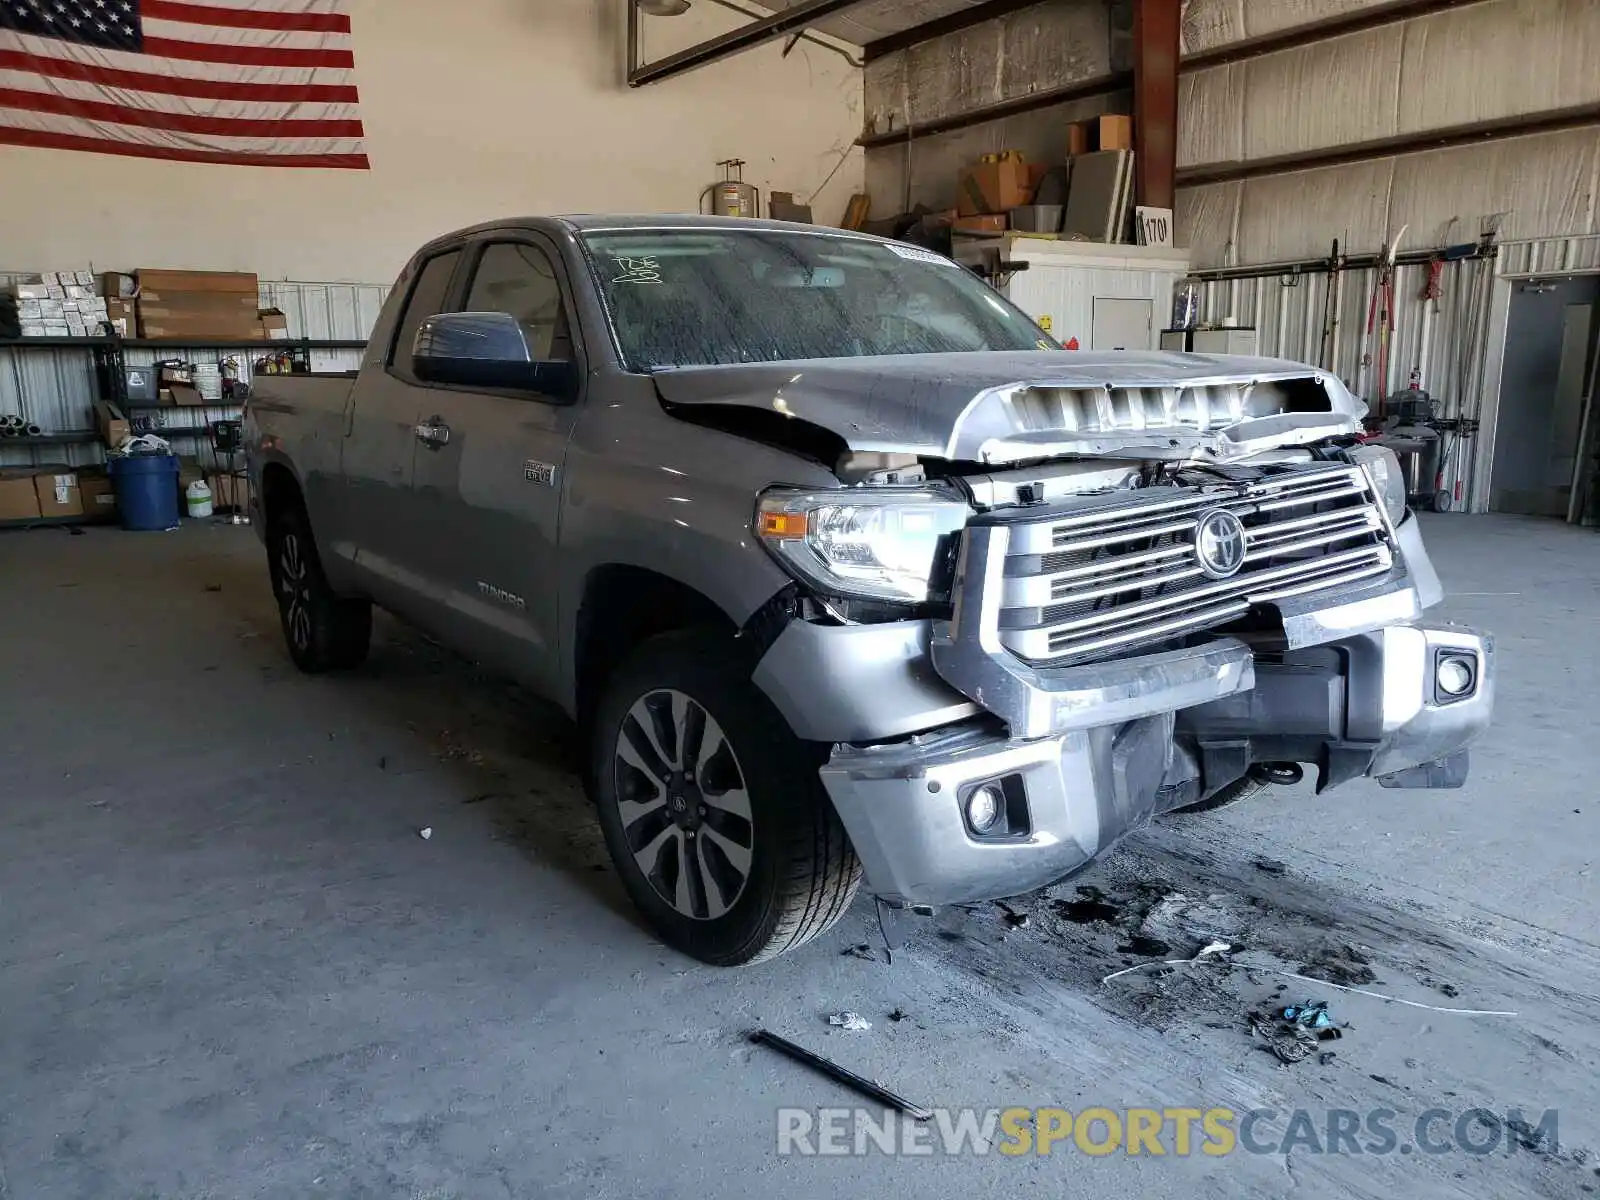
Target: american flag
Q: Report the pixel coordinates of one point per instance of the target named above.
(267, 83)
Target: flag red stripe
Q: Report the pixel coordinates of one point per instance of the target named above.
(240, 18)
(172, 85)
(66, 141)
(118, 114)
(249, 56)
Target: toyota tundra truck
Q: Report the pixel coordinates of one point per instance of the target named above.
(846, 571)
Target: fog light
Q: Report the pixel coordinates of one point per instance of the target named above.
(1454, 676)
(985, 806)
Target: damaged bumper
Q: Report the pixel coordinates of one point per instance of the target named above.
(1366, 705)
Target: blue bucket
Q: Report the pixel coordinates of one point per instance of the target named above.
(146, 486)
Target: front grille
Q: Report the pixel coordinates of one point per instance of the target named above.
(1121, 571)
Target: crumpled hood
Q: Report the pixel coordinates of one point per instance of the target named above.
(1018, 405)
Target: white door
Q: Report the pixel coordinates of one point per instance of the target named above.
(1122, 325)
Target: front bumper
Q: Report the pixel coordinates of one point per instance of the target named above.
(1362, 705)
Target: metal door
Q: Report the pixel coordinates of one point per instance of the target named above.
(380, 444)
(490, 477)
(1122, 324)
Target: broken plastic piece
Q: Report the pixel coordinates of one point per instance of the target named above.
(849, 1020)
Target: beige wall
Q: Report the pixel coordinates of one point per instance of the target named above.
(473, 110)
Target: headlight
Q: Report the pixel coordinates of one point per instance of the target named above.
(1383, 468)
(880, 544)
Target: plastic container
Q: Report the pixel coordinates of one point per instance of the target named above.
(197, 498)
(146, 487)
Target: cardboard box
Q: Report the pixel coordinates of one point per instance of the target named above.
(55, 291)
(78, 292)
(152, 279)
(114, 430)
(52, 310)
(117, 285)
(55, 329)
(57, 489)
(274, 325)
(31, 291)
(18, 499)
(993, 187)
(29, 310)
(34, 329)
(183, 394)
(1116, 132)
(1112, 131)
(984, 223)
(98, 498)
(84, 278)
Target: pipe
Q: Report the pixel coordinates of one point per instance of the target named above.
(855, 62)
(735, 41)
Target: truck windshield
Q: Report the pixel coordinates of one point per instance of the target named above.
(680, 298)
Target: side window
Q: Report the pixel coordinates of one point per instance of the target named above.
(519, 279)
(427, 300)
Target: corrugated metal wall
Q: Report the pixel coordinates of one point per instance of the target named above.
(55, 387)
(1451, 344)
(1499, 59)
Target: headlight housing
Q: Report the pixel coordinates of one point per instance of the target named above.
(1388, 480)
(878, 543)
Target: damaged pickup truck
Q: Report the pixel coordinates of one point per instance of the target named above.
(846, 571)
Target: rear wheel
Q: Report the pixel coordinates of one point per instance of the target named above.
(324, 631)
(712, 810)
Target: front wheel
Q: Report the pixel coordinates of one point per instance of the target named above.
(324, 631)
(712, 810)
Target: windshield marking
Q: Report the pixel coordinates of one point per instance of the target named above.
(638, 270)
(918, 254)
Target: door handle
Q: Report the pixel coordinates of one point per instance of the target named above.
(433, 433)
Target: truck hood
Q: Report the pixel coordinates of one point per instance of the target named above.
(1016, 406)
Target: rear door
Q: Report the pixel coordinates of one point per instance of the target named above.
(491, 492)
(380, 445)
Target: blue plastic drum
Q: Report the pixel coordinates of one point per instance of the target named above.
(147, 490)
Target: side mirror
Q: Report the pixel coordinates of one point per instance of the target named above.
(487, 349)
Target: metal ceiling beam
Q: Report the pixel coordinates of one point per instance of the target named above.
(791, 20)
(1155, 101)
(940, 26)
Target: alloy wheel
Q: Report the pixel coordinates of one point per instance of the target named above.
(684, 807)
(295, 590)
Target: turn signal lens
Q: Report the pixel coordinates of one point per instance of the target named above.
(781, 524)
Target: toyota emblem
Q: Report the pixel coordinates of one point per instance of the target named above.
(1219, 543)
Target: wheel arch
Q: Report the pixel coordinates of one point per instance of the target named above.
(621, 606)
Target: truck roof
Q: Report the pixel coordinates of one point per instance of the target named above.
(590, 222)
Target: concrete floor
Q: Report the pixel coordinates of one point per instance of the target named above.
(229, 966)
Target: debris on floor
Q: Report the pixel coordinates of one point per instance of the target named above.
(849, 1020)
(425, 832)
(860, 950)
(897, 1015)
(834, 1071)
(1313, 1014)
(1014, 918)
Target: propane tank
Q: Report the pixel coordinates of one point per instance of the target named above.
(731, 196)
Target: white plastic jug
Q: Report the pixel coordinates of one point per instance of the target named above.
(198, 497)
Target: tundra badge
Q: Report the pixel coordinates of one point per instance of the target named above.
(538, 472)
(509, 599)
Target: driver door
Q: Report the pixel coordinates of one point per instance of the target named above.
(491, 479)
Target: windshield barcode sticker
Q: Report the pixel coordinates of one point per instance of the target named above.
(918, 254)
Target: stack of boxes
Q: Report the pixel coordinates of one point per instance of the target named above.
(59, 304)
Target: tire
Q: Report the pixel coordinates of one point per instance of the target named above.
(1242, 788)
(769, 866)
(324, 631)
